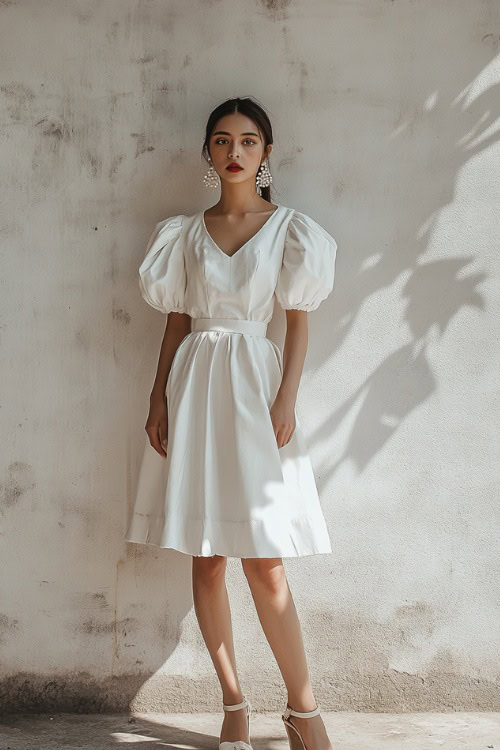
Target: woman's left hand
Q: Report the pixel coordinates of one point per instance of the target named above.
(283, 418)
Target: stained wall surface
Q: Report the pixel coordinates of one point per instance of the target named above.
(384, 117)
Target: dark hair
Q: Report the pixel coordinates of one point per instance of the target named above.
(251, 109)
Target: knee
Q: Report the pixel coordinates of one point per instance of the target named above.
(208, 570)
(265, 571)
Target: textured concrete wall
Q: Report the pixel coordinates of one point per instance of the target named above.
(384, 119)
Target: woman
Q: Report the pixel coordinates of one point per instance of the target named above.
(226, 472)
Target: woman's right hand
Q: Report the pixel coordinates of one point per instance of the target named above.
(157, 425)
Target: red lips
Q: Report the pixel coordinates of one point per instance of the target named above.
(233, 167)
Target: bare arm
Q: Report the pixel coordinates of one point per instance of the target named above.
(294, 354)
(178, 326)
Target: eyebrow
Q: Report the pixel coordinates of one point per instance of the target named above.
(224, 132)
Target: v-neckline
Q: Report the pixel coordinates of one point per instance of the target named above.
(202, 214)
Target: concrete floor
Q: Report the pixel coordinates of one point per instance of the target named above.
(347, 731)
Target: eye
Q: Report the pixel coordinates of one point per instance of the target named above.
(247, 140)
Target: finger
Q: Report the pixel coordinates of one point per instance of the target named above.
(280, 437)
(155, 441)
(275, 430)
(289, 432)
(163, 436)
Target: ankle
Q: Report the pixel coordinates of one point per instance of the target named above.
(301, 705)
(232, 699)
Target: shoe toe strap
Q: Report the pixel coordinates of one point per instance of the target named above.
(237, 745)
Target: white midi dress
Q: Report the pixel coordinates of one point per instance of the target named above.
(224, 487)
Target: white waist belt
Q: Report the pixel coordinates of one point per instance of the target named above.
(231, 325)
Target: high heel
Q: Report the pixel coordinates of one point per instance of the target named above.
(238, 744)
(294, 736)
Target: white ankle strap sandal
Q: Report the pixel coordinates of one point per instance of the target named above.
(294, 737)
(238, 744)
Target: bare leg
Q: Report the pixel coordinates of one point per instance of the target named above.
(280, 623)
(211, 604)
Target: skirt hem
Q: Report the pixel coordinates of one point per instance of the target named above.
(291, 537)
(233, 555)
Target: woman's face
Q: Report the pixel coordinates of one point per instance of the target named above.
(237, 139)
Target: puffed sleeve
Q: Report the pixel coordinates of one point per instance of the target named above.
(162, 273)
(308, 267)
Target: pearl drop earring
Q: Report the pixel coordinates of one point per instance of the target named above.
(264, 176)
(211, 179)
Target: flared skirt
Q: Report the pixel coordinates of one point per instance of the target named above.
(225, 488)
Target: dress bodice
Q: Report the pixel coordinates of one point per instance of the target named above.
(291, 257)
